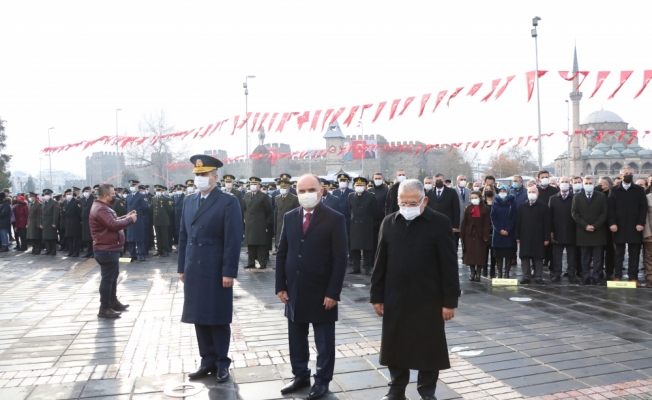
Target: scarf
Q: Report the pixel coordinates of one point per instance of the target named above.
(475, 213)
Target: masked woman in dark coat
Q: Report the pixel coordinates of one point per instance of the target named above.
(503, 220)
(475, 235)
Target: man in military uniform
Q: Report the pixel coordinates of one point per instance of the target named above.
(257, 207)
(73, 219)
(86, 203)
(285, 201)
(364, 211)
(49, 219)
(269, 226)
(190, 187)
(34, 218)
(161, 209)
(118, 203)
(60, 227)
(343, 193)
(137, 201)
(168, 195)
(229, 181)
(329, 199)
(178, 208)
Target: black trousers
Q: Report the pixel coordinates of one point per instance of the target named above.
(258, 252)
(558, 256)
(21, 238)
(50, 247)
(89, 247)
(527, 268)
(36, 246)
(367, 256)
(609, 255)
(73, 245)
(213, 342)
(426, 381)
(270, 236)
(634, 250)
(591, 253)
(161, 238)
(109, 270)
(300, 350)
(548, 257)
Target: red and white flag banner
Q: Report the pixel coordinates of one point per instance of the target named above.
(474, 89)
(315, 119)
(352, 113)
(235, 123)
(624, 75)
(303, 119)
(271, 122)
(262, 121)
(424, 100)
(392, 110)
(381, 105)
(253, 125)
(647, 76)
(281, 124)
(452, 96)
(494, 85)
(407, 102)
(440, 97)
(337, 115)
(602, 75)
(326, 115)
(364, 107)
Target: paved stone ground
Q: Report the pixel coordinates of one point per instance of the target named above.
(567, 342)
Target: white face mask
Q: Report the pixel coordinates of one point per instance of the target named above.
(228, 185)
(475, 202)
(532, 196)
(577, 187)
(378, 182)
(308, 200)
(253, 188)
(46, 198)
(158, 194)
(401, 178)
(190, 190)
(86, 194)
(588, 188)
(202, 183)
(462, 184)
(124, 195)
(359, 189)
(544, 181)
(68, 197)
(502, 195)
(475, 188)
(283, 191)
(179, 192)
(410, 213)
(343, 184)
(264, 190)
(132, 189)
(427, 186)
(564, 186)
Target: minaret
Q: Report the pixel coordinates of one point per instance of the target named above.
(576, 163)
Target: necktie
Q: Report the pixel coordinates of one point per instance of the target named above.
(201, 200)
(564, 197)
(462, 193)
(588, 196)
(306, 223)
(438, 194)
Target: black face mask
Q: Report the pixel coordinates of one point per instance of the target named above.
(598, 188)
(489, 193)
(628, 178)
(439, 184)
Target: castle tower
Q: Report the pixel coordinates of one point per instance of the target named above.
(334, 141)
(576, 166)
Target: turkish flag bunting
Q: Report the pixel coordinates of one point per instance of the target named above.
(235, 123)
(467, 146)
(624, 75)
(315, 119)
(206, 131)
(161, 136)
(364, 107)
(602, 75)
(440, 97)
(381, 105)
(262, 121)
(622, 134)
(519, 141)
(352, 113)
(281, 124)
(494, 85)
(245, 120)
(408, 101)
(564, 75)
(303, 119)
(452, 96)
(271, 122)
(647, 76)
(503, 142)
(392, 110)
(474, 89)
(337, 115)
(599, 137)
(326, 115)
(584, 74)
(253, 126)
(475, 144)
(292, 114)
(424, 100)
(502, 89)
(529, 77)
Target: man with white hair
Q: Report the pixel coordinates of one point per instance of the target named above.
(532, 232)
(411, 295)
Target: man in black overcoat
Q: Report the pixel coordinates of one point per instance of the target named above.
(627, 216)
(563, 232)
(415, 288)
(73, 224)
(364, 212)
(391, 201)
(329, 200)
(532, 231)
(445, 200)
(310, 269)
(86, 201)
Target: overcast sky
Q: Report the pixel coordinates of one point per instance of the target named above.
(69, 65)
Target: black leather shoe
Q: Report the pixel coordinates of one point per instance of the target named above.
(432, 397)
(107, 312)
(117, 306)
(572, 281)
(556, 279)
(394, 396)
(141, 258)
(354, 271)
(295, 385)
(539, 282)
(317, 391)
(75, 255)
(202, 372)
(250, 266)
(222, 375)
(86, 256)
(134, 259)
(525, 281)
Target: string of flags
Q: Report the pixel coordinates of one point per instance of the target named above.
(331, 115)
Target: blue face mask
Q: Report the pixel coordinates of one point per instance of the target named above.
(515, 185)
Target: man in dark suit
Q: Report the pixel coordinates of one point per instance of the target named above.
(391, 202)
(178, 199)
(444, 200)
(546, 191)
(364, 214)
(86, 203)
(589, 211)
(73, 224)
(257, 208)
(532, 232)
(285, 202)
(342, 192)
(228, 187)
(328, 199)
(137, 201)
(209, 250)
(563, 231)
(627, 217)
(310, 269)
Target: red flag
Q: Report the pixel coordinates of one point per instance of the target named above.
(440, 97)
(490, 144)
(467, 146)
(564, 75)
(281, 124)
(502, 89)
(352, 113)
(584, 74)
(519, 141)
(475, 144)
(392, 110)
(624, 75)
(262, 121)
(424, 100)
(529, 77)
(622, 134)
(315, 119)
(337, 115)
(408, 101)
(303, 119)
(599, 137)
(235, 123)
(494, 85)
(326, 115)
(602, 75)
(271, 122)
(245, 120)
(647, 76)
(206, 131)
(452, 96)
(474, 89)
(528, 141)
(253, 126)
(381, 105)
(364, 107)
(358, 149)
(416, 153)
(503, 142)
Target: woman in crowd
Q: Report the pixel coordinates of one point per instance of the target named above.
(475, 235)
(503, 219)
(5, 221)
(488, 200)
(21, 211)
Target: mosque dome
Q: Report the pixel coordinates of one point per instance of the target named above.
(586, 152)
(645, 153)
(597, 117)
(613, 153)
(619, 147)
(628, 153)
(597, 153)
(635, 147)
(602, 146)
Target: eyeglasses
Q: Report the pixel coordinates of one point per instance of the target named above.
(411, 204)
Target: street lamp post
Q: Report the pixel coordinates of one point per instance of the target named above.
(50, 155)
(246, 92)
(535, 23)
(569, 136)
(365, 150)
(117, 156)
